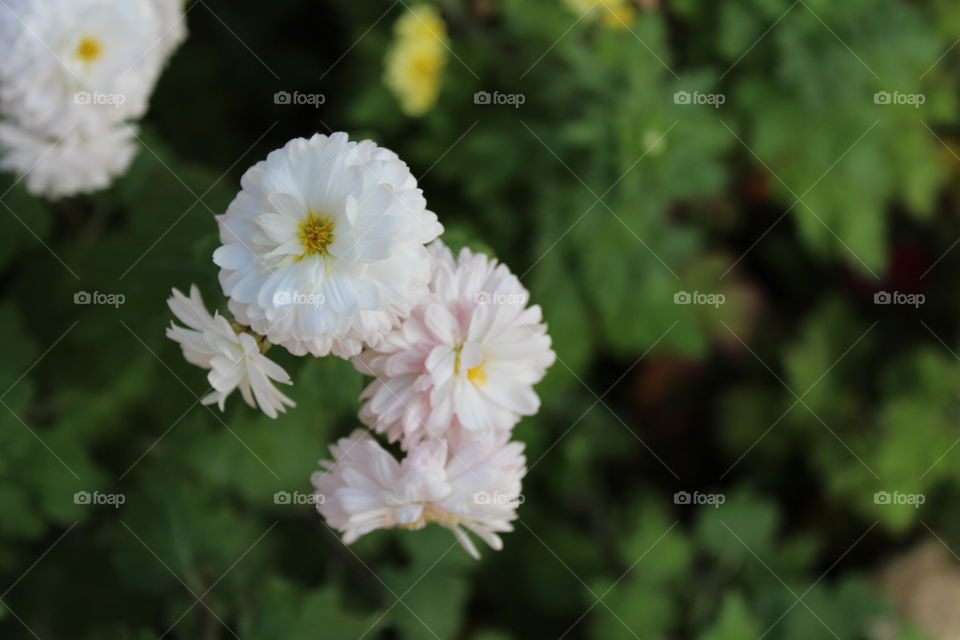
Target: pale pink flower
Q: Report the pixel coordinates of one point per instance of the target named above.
(467, 357)
(467, 486)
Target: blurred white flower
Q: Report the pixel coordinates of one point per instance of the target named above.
(466, 485)
(323, 248)
(234, 359)
(72, 72)
(78, 63)
(10, 25)
(172, 25)
(73, 163)
(468, 356)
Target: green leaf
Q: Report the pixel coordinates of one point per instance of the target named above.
(284, 610)
(738, 531)
(734, 621)
(432, 587)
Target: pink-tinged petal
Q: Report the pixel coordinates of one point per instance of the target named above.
(465, 542)
(442, 324)
(440, 363)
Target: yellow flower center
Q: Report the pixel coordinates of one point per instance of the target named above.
(477, 375)
(431, 513)
(89, 49)
(316, 234)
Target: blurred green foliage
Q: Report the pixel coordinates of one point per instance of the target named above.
(798, 400)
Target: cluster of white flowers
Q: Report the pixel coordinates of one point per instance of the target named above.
(74, 74)
(329, 248)
(450, 382)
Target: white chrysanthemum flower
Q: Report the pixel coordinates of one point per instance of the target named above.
(172, 25)
(466, 486)
(468, 356)
(78, 63)
(71, 73)
(234, 359)
(323, 248)
(76, 162)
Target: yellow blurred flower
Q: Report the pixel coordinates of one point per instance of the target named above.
(416, 58)
(616, 14)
